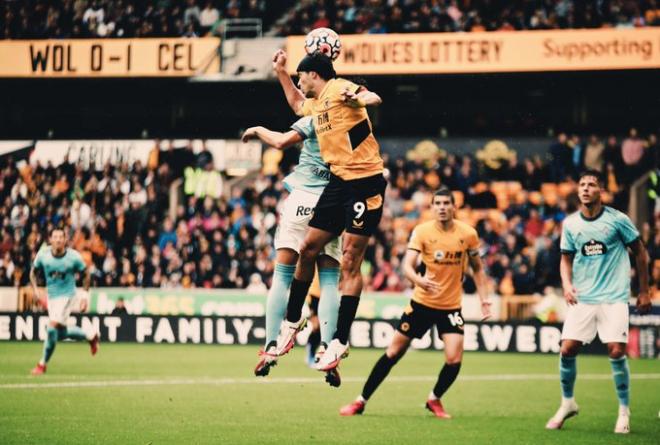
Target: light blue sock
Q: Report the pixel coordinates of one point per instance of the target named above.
(277, 300)
(567, 375)
(74, 333)
(329, 302)
(621, 375)
(49, 344)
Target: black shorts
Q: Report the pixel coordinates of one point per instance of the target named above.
(355, 206)
(417, 319)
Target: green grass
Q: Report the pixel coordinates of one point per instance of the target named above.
(248, 411)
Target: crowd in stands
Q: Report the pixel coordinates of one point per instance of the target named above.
(38, 19)
(403, 16)
(118, 216)
(59, 19)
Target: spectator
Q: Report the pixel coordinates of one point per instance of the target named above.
(120, 307)
(593, 155)
(208, 17)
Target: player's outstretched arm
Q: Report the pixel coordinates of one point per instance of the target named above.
(642, 267)
(566, 272)
(363, 98)
(481, 281)
(409, 264)
(294, 96)
(272, 138)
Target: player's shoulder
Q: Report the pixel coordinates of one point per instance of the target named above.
(572, 219)
(303, 123)
(424, 228)
(338, 84)
(614, 214)
(73, 253)
(465, 228)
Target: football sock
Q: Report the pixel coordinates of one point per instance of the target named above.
(567, 375)
(297, 297)
(313, 342)
(329, 302)
(621, 375)
(276, 301)
(347, 310)
(378, 374)
(447, 376)
(74, 333)
(49, 344)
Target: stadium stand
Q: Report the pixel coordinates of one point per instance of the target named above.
(39, 19)
(398, 16)
(119, 216)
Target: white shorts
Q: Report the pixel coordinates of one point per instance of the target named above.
(609, 321)
(297, 211)
(59, 309)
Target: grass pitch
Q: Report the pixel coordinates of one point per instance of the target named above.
(185, 394)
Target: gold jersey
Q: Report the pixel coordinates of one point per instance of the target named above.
(344, 133)
(445, 255)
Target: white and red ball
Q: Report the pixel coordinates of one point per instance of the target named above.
(323, 40)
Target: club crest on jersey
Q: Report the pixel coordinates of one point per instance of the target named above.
(438, 255)
(594, 248)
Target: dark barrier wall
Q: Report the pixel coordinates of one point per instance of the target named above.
(485, 104)
(492, 337)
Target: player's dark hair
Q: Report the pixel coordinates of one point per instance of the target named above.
(595, 173)
(55, 229)
(444, 191)
(319, 63)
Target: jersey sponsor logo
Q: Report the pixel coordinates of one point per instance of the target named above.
(304, 211)
(57, 275)
(594, 248)
(447, 258)
(323, 123)
(321, 173)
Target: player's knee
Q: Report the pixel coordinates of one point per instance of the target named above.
(349, 264)
(616, 351)
(309, 250)
(395, 354)
(454, 360)
(569, 350)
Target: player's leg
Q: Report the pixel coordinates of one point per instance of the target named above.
(362, 210)
(579, 327)
(354, 248)
(314, 339)
(379, 372)
(453, 358)
(613, 331)
(314, 241)
(414, 323)
(285, 261)
(56, 330)
(329, 303)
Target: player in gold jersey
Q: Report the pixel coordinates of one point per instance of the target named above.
(446, 246)
(352, 202)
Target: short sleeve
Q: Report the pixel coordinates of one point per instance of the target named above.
(473, 243)
(306, 109)
(627, 230)
(415, 243)
(304, 127)
(352, 87)
(567, 244)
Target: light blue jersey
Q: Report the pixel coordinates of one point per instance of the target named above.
(60, 272)
(601, 266)
(311, 174)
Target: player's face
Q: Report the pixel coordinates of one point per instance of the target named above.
(57, 240)
(443, 207)
(305, 83)
(589, 190)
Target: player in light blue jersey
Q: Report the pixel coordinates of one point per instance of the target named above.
(305, 184)
(595, 273)
(60, 266)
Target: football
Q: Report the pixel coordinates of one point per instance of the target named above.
(324, 40)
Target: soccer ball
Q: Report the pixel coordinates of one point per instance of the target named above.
(324, 40)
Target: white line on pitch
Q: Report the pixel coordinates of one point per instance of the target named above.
(298, 380)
